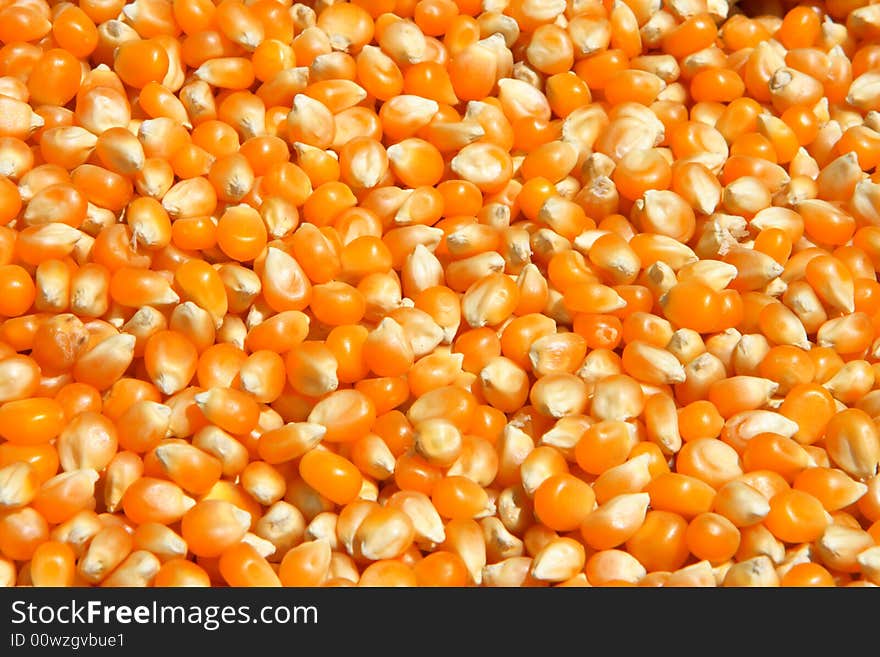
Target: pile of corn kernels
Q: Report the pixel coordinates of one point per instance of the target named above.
(439, 293)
